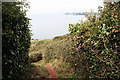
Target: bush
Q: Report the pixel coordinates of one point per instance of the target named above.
(15, 40)
(35, 57)
(98, 41)
(58, 48)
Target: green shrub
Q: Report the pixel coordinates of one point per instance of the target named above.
(98, 41)
(15, 40)
(48, 54)
(58, 48)
(35, 57)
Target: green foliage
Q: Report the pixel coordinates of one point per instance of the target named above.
(97, 40)
(15, 40)
(57, 52)
(57, 48)
(72, 75)
(35, 57)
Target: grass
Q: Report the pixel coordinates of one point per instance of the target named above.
(63, 65)
(38, 46)
(71, 75)
(51, 48)
(54, 52)
(44, 70)
(38, 70)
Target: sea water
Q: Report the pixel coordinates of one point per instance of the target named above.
(47, 26)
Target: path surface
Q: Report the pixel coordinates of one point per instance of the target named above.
(52, 72)
(37, 72)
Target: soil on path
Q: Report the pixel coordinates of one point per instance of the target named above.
(37, 72)
(52, 72)
(40, 72)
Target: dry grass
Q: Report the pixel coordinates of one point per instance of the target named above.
(54, 52)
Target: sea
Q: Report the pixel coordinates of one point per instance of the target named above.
(48, 26)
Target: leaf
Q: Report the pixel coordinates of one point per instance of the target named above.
(108, 63)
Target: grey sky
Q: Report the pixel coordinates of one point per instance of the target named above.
(58, 6)
(48, 23)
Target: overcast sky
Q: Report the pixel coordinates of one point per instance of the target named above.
(61, 6)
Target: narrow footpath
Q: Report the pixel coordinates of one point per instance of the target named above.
(52, 72)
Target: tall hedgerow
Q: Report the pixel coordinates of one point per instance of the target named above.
(97, 40)
(15, 40)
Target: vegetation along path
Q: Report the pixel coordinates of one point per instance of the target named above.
(52, 72)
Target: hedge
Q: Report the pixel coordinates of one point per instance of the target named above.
(15, 40)
(97, 40)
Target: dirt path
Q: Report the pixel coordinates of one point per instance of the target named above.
(38, 72)
(52, 72)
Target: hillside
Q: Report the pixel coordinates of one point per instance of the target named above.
(56, 53)
(90, 50)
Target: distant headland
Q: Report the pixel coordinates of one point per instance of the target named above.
(80, 13)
